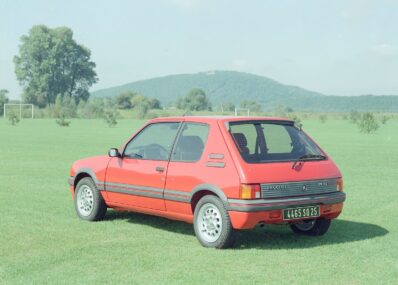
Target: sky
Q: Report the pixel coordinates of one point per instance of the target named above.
(340, 47)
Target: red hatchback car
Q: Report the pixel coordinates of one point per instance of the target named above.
(220, 173)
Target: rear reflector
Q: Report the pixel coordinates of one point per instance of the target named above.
(275, 214)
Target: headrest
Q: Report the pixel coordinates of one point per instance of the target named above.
(240, 139)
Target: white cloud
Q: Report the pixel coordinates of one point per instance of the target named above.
(384, 50)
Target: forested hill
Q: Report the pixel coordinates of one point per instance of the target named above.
(232, 86)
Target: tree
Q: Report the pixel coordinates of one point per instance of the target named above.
(195, 100)
(124, 100)
(367, 123)
(228, 106)
(154, 103)
(141, 105)
(252, 105)
(50, 62)
(3, 100)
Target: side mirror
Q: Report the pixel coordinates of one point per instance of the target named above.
(114, 152)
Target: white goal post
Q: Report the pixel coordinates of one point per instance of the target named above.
(242, 109)
(20, 109)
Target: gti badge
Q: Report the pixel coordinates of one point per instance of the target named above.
(305, 188)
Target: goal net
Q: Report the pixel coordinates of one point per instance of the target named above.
(242, 112)
(19, 110)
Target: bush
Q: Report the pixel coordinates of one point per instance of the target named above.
(323, 118)
(13, 118)
(253, 106)
(354, 117)
(296, 119)
(62, 122)
(92, 109)
(141, 106)
(384, 119)
(367, 123)
(110, 117)
(64, 106)
(227, 107)
(282, 110)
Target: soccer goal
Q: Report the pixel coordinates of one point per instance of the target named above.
(245, 110)
(22, 110)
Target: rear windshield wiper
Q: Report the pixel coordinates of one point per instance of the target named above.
(308, 156)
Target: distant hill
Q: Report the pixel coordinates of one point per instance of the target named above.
(232, 86)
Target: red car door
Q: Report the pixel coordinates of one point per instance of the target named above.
(138, 177)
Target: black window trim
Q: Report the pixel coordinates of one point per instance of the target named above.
(178, 136)
(275, 122)
(146, 126)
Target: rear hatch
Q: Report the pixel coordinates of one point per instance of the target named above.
(280, 157)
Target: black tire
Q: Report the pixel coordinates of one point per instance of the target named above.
(98, 208)
(227, 235)
(319, 227)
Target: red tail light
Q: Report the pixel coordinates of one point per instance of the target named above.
(250, 191)
(340, 184)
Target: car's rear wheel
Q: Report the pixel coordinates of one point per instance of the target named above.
(316, 227)
(89, 203)
(212, 223)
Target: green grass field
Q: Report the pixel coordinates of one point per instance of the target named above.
(43, 242)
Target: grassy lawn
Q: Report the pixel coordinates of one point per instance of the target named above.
(43, 241)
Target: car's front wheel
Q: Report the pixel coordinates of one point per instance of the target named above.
(89, 203)
(212, 223)
(316, 227)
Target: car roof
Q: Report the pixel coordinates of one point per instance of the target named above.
(212, 119)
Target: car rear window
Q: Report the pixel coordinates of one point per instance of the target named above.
(263, 141)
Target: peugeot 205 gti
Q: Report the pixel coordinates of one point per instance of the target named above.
(220, 173)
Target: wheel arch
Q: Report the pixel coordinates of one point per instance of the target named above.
(82, 173)
(206, 189)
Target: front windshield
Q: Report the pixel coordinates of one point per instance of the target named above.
(263, 141)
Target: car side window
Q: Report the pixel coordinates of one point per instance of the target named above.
(190, 143)
(154, 142)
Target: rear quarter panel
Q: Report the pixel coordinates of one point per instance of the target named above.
(186, 176)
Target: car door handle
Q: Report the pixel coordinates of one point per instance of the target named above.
(159, 169)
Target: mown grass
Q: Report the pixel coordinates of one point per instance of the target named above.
(43, 241)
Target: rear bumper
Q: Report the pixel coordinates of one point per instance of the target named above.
(246, 214)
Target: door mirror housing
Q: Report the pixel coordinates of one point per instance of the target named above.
(114, 152)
